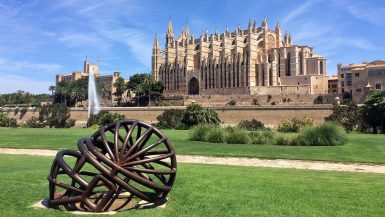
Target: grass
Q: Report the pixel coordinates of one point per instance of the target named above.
(212, 190)
(364, 148)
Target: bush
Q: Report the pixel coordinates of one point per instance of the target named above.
(327, 134)
(196, 114)
(199, 133)
(318, 100)
(70, 123)
(7, 122)
(285, 140)
(23, 111)
(374, 111)
(215, 135)
(350, 116)
(55, 115)
(232, 102)
(16, 111)
(108, 118)
(170, 119)
(294, 124)
(33, 122)
(251, 125)
(261, 137)
(94, 119)
(235, 135)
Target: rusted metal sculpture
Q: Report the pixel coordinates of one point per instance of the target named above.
(119, 165)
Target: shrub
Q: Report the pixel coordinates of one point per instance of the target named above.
(350, 116)
(318, 100)
(273, 103)
(70, 123)
(108, 118)
(261, 137)
(294, 124)
(327, 134)
(55, 115)
(33, 122)
(232, 102)
(199, 133)
(94, 119)
(193, 115)
(16, 111)
(23, 111)
(170, 118)
(285, 140)
(235, 135)
(255, 102)
(269, 97)
(210, 116)
(7, 122)
(251, 125)
(196, 114)
(374, 111)
(215, 135)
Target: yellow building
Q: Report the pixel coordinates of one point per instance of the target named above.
(105, 82)
(333, 85)
(360, 79)
(253, 61)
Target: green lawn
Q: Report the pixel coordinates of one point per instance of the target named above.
(364, 148)
(208, 190)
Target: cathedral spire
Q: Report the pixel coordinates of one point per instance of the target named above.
(250, 24)
(255, 26)
(264, 23)
(187, 30)
(156, 42)
(278, 28)
(170, 31)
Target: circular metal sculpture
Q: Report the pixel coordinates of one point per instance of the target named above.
(119, 165)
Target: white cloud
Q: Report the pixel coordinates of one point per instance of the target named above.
(301, 9)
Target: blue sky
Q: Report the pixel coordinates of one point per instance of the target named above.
(41, 38)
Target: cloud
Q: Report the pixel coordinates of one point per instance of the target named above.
(301, 9)
(10, 83)
(367, 12)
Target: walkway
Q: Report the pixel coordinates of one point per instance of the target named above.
(235, 161)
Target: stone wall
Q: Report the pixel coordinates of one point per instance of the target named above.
(269, 115)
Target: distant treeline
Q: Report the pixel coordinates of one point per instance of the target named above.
(21, 98)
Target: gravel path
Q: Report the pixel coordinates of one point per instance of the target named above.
(235, 161)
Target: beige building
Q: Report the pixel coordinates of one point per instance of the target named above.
(105, 82)
(252, 61)
(360, 79)
(333, 85)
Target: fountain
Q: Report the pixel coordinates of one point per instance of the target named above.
(93, 100)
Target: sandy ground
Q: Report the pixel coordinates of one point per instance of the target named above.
(235, 161)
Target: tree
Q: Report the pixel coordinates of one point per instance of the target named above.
(52, 89)
(374, 111)
(349, 116)
(120, 88)
(144, 85)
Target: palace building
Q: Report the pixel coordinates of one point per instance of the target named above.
(359, 80)
(106, 82)
(252, 61)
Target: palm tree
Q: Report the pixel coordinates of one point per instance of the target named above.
(138, 91)
(51, 88)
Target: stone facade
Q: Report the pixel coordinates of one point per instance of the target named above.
(229, 115)
(254, 61)
(361, 79)
(333, 85)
